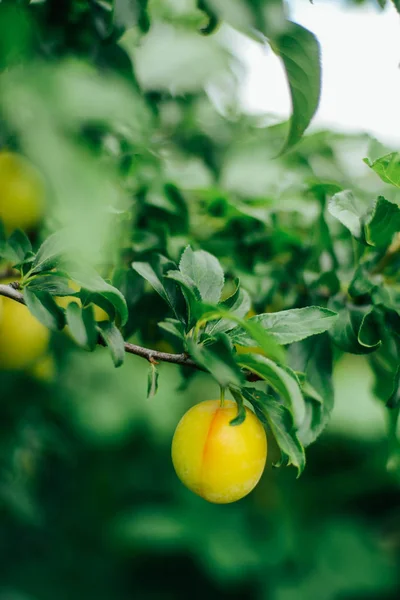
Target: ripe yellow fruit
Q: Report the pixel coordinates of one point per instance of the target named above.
(22, 193)
(218, 461)
(23, 339)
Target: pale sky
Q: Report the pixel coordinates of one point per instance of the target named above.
(360, 61)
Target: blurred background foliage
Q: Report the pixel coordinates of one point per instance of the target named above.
(132, 116)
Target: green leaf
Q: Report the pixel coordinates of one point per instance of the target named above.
(114, 340)
(56, 285)
(241, 414)
(205, 271)
(381, 222)
(279, 419)
(363, 283)
(154, 272)
(396, 4)
(51, 252)
(265, 341)
(314, 358)
(173, 327)
(44, 308)
(369, 330)
(300, 52)
(190, 293)
(152, 381)
(130, 13)
(212, 17)
(372, 228)
(387, 167)
(19, 245)
(218, 360)
(82, 325)
(355, 330)
(347, 209)
(131, 286)
(385, 364)
(92, 282)
(288, 326)
(238, 304)
(283, 382)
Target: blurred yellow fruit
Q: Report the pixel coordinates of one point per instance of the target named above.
(22, 193)
(45, 368)
(218, 461)
(23, 339)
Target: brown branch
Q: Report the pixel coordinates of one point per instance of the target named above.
(153, 356)
(10, 290)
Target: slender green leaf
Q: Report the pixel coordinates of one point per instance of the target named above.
(218, 360)
(345, 208)
(190, 293)
(51, 252)
(82, 325)
(154, 272)
(387, 167)
(381, 222)
(266, 342)
(114, 340)
(278, 378)
(205, 271)
(288, 326)
(56, 285)
(43, 306)
(19, 246)
(279, 419)
(238, 304)
(131, 286)
(92, 282)
(314, 358)
(300, 52)
(352, 334)
(241, 414)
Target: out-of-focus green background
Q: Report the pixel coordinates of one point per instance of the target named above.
(90, 508)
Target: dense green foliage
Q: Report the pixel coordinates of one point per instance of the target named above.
(178, 214)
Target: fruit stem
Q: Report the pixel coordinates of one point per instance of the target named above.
(222, 396)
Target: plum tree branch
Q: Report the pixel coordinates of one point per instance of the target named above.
(156, 356)
(11, 290)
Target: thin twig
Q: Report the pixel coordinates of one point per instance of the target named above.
(153, 356)
(9, 290)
